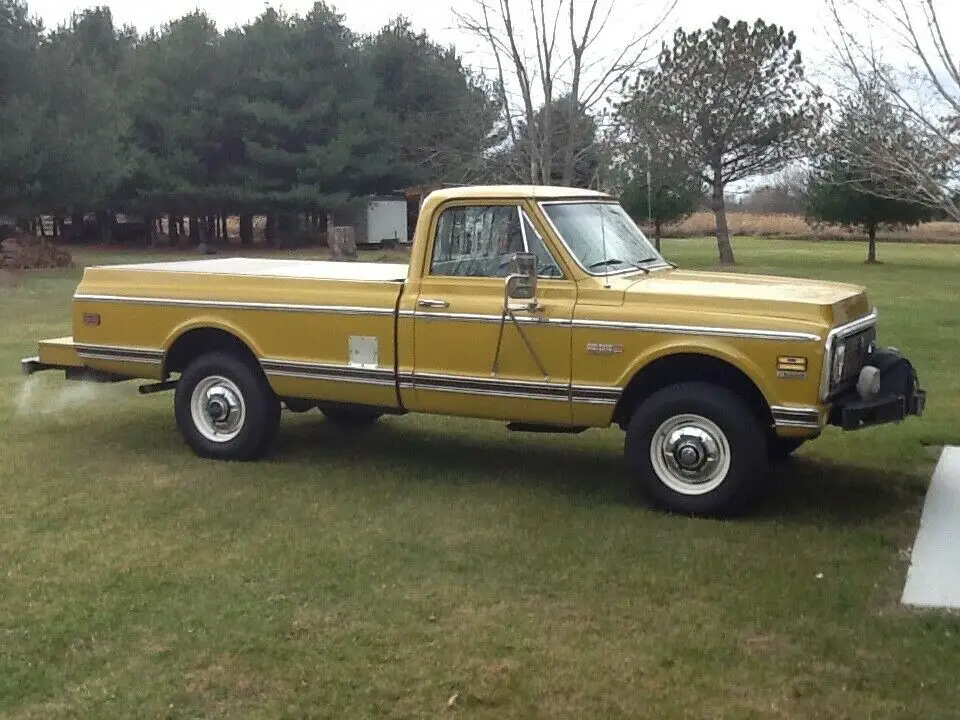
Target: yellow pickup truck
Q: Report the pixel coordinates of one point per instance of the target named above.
(545, 308)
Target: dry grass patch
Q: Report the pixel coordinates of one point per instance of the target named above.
(775, 225)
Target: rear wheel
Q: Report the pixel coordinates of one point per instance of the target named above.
(225, 408)
(697, 449)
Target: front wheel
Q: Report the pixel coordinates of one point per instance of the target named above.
(225, 408)
(697, 449)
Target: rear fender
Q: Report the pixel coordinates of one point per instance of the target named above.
(208, 322)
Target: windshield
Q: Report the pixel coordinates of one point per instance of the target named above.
(601, 236)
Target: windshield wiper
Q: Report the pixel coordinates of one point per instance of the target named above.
(615, 261)
(609, 261)
(660, 259)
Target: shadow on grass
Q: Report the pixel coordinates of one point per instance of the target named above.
(803, 490)
(576, 469)
(588, 469)
(808, 490)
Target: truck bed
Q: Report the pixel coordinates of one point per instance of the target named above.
(275, 267)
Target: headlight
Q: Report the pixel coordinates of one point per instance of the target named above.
(839, 357)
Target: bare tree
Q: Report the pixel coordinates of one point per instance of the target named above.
(920, 91)
(535, 66)
(733, 100)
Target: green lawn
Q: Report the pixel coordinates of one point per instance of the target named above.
(443, 568)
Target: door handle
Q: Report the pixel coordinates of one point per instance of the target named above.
(427, 303)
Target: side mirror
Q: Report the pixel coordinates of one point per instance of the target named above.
(522, 281)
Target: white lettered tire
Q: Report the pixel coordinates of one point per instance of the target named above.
(698, 449)
(225, 408)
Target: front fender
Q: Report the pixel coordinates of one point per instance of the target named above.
(714, 348)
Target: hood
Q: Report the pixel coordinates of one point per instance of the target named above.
(753, 295)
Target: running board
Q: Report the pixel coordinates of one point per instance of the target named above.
(546, 429)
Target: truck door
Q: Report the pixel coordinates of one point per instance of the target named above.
(459, 322)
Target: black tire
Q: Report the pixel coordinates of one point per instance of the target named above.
(351, 417)
(737, 432)
(780, 448)
(259, 421)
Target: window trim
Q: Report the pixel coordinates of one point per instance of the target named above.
(524, 220)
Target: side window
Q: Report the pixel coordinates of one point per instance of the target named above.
(477, 241)
(480, 240)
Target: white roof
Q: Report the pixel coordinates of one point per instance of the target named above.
(272, 267)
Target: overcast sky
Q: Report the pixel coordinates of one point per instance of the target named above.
(807, 18)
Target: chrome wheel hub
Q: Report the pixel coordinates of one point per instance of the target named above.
(218, 408)
(690, 454)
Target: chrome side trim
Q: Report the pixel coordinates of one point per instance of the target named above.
(474, 385)
(436, 382)
(603, 395)
(326, 371)
(468, 317)
(488, 392)
(495, 386)
(745, 333)
(238, 305)
(147, 356)
(481, 318)
(796, 417)
(596, 394)
(699, 330)
(841, 331)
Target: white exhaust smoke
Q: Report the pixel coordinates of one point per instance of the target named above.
(37, 398)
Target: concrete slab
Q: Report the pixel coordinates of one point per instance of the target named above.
(933, 579)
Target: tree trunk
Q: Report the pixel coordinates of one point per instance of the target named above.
(656, 234)
(105, 226)
(195, 230)
(270, 231)
(724, 249)
(246, 229)
(173, 230)
(76, 228)
(151, 228)
(872, 243)
(181, 228)
(43, 230)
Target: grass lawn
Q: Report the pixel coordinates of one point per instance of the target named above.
(444, 568)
